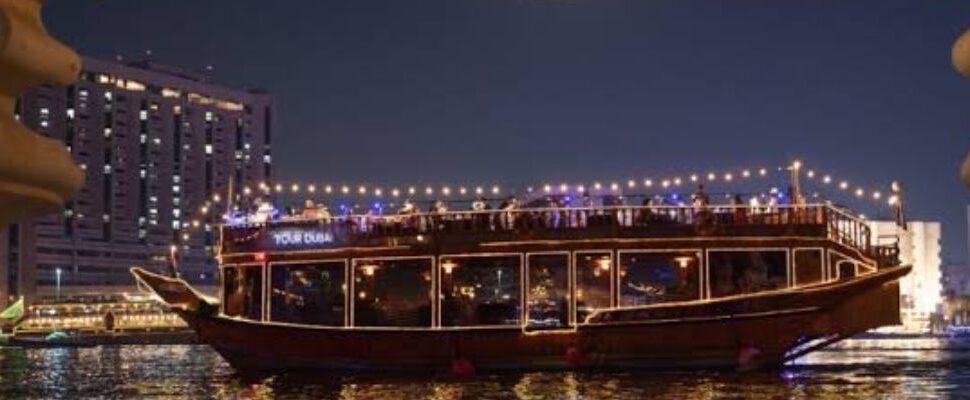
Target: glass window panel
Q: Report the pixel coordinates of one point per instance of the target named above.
(592, 283)
(658, 277)
(309, 293)
(834, 260)
(744, 272)
(548, 291)
(243, 292)
(392, 292)
(231, 303)
(846, 270)
(808, 267)
(480, 291)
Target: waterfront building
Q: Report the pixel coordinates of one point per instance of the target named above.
(155, 142)
(956, 279)
(921, 292)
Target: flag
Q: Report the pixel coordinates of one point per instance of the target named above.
(14, 312)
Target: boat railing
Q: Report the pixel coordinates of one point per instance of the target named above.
(839, 225)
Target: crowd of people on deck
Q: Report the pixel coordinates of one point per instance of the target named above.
(546, 211)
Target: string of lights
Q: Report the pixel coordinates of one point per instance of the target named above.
(890, 196)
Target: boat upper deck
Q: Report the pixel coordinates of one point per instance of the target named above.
(549, 223)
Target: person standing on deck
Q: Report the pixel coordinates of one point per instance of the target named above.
(700, 201)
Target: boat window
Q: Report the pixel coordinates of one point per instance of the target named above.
(742, 272)
(392, 292)
(659, 277)
(480, 291)
(548, 290)
(808, 267)
(846, 270)
(593, 276)
(308, 293)
(243, 292)
(834, 260)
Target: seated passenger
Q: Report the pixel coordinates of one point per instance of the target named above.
(310, 210)
(323, 213)
(439, 207)
(507, 219)
(409, 208)
(479, 204)
(645, 214)
(739, 211)
(264, 212)
(700, 200)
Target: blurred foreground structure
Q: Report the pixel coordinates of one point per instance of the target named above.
(37, 175)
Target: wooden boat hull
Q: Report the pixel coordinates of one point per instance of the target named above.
(744, 332)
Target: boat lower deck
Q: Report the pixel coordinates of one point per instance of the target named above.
(735, 332)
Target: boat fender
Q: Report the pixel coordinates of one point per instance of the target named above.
(462, 368)
(574, 357)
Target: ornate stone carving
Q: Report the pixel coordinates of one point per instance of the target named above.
(37, 174)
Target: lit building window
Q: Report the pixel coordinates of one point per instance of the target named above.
(107, 169)
(44, 112)
(44, 123)
(142, 173)
(176, 225)
(143, 138)
(143, 115)
(170, 93)
(157, 141)
(208, 149)
(107, 132)
(267, 159)
(106, 218)
(108, 96)
(176, 188)
(176, 178)
(70, 113)
(208, 116)
(135, 86)
(176, 213)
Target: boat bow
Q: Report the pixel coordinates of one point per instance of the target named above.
(175, 292)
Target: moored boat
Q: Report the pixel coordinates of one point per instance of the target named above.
(543, 286)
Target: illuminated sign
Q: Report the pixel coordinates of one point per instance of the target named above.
(300, 238)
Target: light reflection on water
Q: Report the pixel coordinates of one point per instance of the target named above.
(894, 369)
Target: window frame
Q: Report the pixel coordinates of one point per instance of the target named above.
(707, 266)
(570, 286)
(436, 320)
(352, 290)
(701, 269)
(347, 293)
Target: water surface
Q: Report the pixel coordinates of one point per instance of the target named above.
(896, 369)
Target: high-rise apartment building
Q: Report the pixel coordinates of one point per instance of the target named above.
(155, 142)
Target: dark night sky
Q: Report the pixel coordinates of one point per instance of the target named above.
(403, 91)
